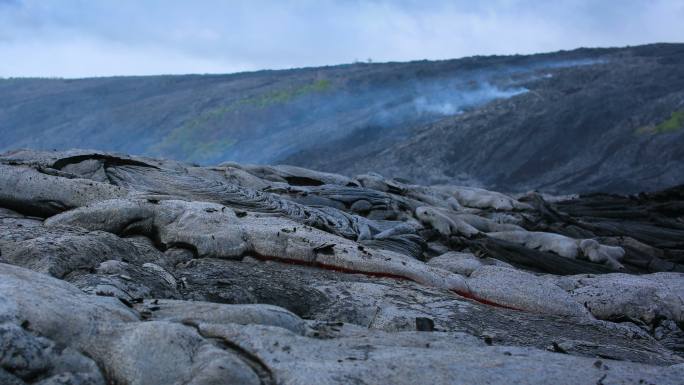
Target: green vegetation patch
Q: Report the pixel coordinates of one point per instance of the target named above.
(286, 95)
(196, 139)
(674, 123)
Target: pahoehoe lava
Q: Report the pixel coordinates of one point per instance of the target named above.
(118, 269)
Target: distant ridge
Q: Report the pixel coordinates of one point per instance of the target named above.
(572, 121)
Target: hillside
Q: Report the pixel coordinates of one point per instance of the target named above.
(584, 120)
(612, 126)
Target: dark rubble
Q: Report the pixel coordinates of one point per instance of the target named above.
(117, 269)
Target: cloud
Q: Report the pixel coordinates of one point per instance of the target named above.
(76, 38)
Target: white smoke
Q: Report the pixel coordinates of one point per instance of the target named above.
(453, 102)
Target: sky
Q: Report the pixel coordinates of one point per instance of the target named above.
(83, 38)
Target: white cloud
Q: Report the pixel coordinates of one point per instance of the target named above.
(75, 38)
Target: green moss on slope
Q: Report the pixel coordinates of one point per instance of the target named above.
(194, 139)
(674, 123)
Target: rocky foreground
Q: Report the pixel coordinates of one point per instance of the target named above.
(129, 270)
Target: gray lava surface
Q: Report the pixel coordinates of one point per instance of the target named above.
(117, 269)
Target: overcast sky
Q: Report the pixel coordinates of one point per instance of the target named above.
(78, 38)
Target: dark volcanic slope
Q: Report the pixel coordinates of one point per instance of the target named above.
(611, 126)
(589, 119)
